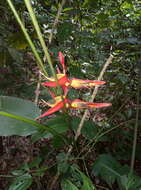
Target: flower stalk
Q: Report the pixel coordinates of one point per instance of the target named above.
(39, 34)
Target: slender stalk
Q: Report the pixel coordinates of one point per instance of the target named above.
(39, 60)
(109, 60)
(95, 139)
(78, 132)
(37, 91)
(53, 27)
(56, 177)
(41, 39)
(135, 134)
(42, 42)
(56, 20)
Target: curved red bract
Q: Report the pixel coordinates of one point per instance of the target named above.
(66, 83)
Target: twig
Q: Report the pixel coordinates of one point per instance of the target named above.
(54, 181)
(56, 20)
(78, 132)
(109, 60)
(135, 134)
(101, 135)
(37, 91)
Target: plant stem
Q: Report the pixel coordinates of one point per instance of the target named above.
(56, 177)
(42, 42)
(37, 91)
(78, 132)
(135, 134)
(41, 39)
(39, 60)
(109, 60)
(56, 20)
(101, 135)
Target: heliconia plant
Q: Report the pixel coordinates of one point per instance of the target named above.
(60, 102)
(66, 82)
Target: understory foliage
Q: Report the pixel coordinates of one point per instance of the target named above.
(107, 153)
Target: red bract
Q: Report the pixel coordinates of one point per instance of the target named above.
(65, 82)
(74, 104)
(62, 61)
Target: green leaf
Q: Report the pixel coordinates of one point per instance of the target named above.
(64, 31)
(34, 123)
(58, 124)
(126, 5)
(129, 182)
(35, 163)
(87, 184)
(67, 9)
(40, 171)
(89, 130)
(21, 108)
(80, 179)
(17, 172)
(12, 124)
(16, 55)
(21, 183)
(68, 185)
(18, 41)
(63, 164)
(57, 142)
(106, 167)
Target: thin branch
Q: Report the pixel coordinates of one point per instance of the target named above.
(56, 177)
(37, 91)
(78, 132)
(56, 20)
(135, 134)
(101, 135)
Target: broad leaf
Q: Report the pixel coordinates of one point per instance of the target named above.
(58, 124)
(19, 107)
(106, 167)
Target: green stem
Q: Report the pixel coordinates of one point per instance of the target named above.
(41, 39)
(56, 20)
(39, 61)
(135, 134)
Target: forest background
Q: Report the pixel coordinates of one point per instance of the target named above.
(91, 34)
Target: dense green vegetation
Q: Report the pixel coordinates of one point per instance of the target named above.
(107, 154)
